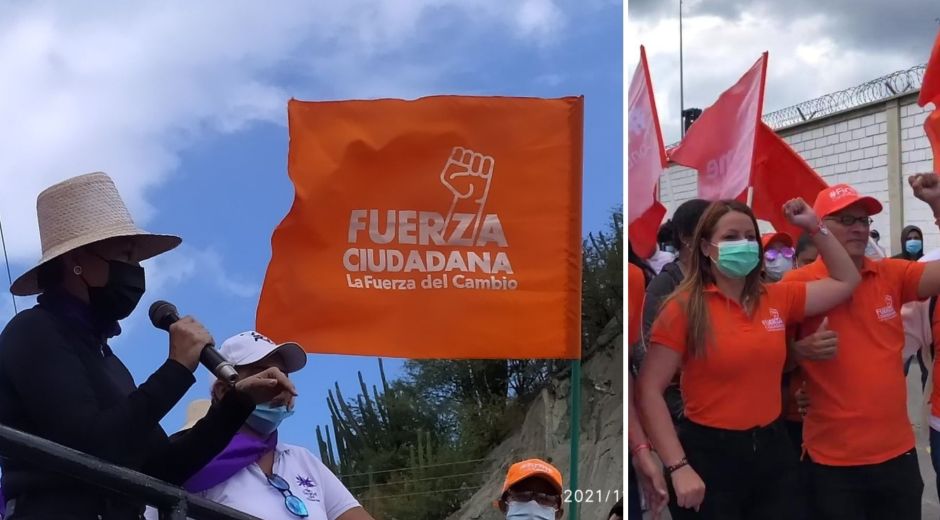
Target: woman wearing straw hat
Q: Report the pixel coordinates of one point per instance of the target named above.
(60, 380)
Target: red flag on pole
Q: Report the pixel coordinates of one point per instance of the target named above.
(930, 93)
(647, 155)
(642, 232)
(646, 162)
(720, 145)
(932, 129)
(930, 88)
(780, 174)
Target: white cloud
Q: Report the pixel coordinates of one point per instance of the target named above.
(124, 87)
(805, 60)
(168, 271)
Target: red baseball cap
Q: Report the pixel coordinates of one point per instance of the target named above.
(769, 238)
(836, 198)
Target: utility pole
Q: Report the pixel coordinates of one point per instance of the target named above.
(681, 78)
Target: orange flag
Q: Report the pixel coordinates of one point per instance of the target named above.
(930, 88)
(720, 144)
(932, 129)
(445, 227)
(930, 93)
(780, 174)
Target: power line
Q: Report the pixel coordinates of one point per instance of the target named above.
(410, 467)
(400, 482)
(416, 494)
(6, 260)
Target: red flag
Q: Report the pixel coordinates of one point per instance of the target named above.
(642, 232)
(780, 174)
(932, 129)
(720, 145)
(647, 155)
(930, 88)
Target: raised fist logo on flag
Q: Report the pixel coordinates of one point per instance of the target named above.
(467, 175)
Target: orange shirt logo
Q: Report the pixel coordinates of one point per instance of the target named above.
(775, 323)
(887, 313)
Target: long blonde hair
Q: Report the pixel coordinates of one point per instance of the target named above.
(691, 293)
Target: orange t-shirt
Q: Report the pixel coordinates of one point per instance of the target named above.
(636, 292)
(858, 399)
(736, 385)
(935, 394)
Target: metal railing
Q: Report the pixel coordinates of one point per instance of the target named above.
(173, 503)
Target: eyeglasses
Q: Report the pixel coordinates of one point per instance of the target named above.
(849, 220)
(772, 254)
(295, 505)
(543, 499)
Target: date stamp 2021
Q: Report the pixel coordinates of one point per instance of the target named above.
(590, 496)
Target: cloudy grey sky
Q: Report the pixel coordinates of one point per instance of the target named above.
(816, 46)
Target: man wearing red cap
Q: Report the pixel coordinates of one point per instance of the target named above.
(532, 491)
(856, 433)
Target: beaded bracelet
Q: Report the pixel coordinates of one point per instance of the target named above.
(677, 466)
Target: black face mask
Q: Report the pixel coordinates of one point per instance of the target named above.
(121, 294)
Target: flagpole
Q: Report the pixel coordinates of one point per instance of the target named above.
(575, 404)
(681, 78)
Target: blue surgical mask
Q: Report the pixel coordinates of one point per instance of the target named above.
(528, 511)
(266, 418)
(737, 258)
(913, 246)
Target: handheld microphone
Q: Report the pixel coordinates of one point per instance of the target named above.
(163, 314)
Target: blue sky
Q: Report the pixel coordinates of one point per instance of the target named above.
(186, 109)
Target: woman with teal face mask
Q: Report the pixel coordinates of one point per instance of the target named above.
(912, 244)
(257, 473)
(730, 456)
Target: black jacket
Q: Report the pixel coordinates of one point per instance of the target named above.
(60, 380)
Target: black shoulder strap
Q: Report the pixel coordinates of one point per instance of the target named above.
(931, 311)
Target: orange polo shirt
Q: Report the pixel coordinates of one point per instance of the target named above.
(935, 393)
(636, 292)
(736, 385)
(858, 399)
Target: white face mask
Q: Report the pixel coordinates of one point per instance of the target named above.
(528, 511)
(778, 267)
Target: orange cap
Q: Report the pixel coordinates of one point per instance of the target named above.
(769, 238)
(836, 198)
(533, 468)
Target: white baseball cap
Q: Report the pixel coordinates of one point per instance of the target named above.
(251, 347)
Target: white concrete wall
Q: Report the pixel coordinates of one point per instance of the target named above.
(850, 147)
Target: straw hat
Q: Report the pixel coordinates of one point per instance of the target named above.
(80, 211)
(195, 412)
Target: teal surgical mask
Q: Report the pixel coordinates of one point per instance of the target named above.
(913, 246)
(266, 418)
(737, 258)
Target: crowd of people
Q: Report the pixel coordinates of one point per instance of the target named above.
(60, 380)
(768, 373)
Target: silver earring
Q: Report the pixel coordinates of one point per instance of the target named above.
(77, 270)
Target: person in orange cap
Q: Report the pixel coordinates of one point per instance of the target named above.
(778, 255)
(532, 491)
(856, 433)
(725, 328)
